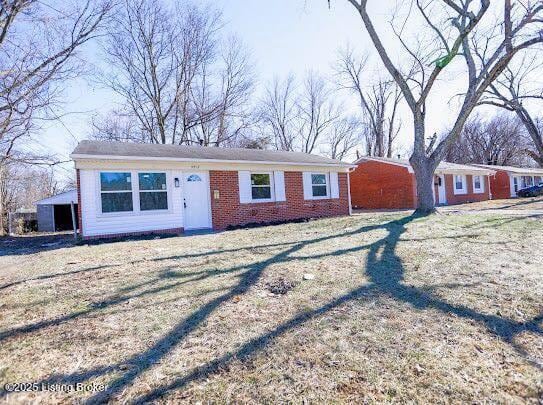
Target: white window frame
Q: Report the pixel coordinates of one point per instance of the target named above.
(134, 180)
(167, 191)
(464, 189)
(100, 192)
(272, 188)
(531, 178)
(327, 177)
(481, 189)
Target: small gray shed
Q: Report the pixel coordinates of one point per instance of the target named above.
(55, 214)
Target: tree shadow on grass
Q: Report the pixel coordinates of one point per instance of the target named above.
(56, 275)
(385, 271)
(516, 203)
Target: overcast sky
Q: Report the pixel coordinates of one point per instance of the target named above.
(284, 36)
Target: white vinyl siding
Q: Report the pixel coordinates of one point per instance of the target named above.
(94, 222)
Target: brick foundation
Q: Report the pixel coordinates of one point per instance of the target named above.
(228, 211)
(173, 231)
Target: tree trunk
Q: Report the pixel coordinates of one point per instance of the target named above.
(424, 168)
(2, 196)
(424, 175)
(534, 133)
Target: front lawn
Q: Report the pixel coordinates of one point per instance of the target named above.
(444, 308)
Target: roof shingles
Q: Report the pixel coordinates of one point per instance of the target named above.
(97, 149)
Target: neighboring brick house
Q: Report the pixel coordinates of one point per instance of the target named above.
(508, 179)
(127, 188)
(385, 183)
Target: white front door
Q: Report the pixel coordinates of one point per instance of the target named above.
(196, 197)
(442, 196)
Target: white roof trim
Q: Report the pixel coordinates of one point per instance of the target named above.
(456, 170)
(370, 158)
(63, 198)
(171, 159)
(518, 171)
(475, 171)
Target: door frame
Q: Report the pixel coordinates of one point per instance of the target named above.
(441, 189)
(205, 173)
(518, 179)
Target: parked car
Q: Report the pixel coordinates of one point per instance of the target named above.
(532, 191)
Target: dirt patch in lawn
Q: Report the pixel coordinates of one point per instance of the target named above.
(373, 307)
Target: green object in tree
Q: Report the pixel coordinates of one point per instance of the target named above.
(445, 60)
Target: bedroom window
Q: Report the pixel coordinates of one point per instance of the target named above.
(153, 191)
(478, 185)
(116, 192)
(319, 185)
(261, 186)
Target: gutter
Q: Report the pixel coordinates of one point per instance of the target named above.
(170, 159)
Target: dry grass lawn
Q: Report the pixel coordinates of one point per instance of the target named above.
(516, 204)
(447, 308)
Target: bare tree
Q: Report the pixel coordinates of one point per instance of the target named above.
(155, 56)
(379, 103)
(499, 141)
(513, 91)
(117, 126)
(39, 47)
(345, 135)
(454, 27)
(278, 113)
(231, 103)
(23, 185)
(316, 111)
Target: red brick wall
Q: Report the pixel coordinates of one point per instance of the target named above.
(500, 185)
(228, 211)
(382, 185)
(465, 198)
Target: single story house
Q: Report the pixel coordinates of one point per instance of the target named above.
(508, 179)
(55, 213)
(386, 183)
(128, 188)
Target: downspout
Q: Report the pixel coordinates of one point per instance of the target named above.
(349, 190)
